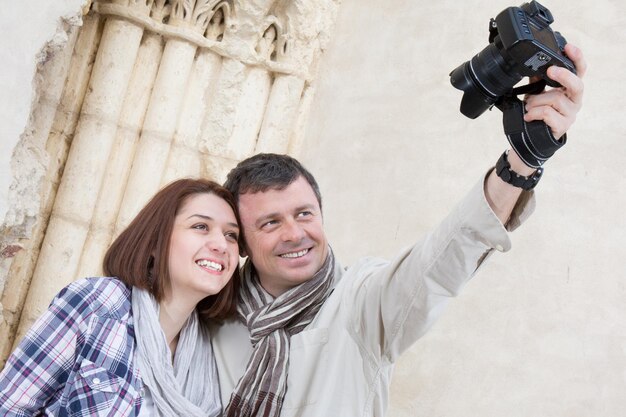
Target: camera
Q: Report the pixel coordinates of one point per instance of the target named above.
(521, 44)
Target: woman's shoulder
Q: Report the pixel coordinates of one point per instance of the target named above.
(106, 296)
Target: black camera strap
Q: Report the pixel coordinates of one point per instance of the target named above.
(532, 88)
(493, 30)
(532, 141)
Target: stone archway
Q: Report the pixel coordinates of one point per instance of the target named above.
(144, 92)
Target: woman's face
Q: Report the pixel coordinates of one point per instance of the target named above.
(203, 251)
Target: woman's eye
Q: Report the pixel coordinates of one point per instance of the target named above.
(200, 226)
(232, 235)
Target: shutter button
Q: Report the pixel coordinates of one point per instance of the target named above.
(96, 380)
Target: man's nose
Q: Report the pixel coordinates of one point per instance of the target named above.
(292, 231)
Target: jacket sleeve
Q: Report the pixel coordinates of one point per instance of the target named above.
(42, 361)
(395, 303)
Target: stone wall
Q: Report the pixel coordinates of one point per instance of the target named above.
(140, 93)
(27, 108)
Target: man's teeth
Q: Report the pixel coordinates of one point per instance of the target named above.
(295, 254)
(209, 264)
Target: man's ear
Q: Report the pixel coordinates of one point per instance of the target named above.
(243, 249)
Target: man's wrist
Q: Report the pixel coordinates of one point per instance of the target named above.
(510, 176)
(518, 165)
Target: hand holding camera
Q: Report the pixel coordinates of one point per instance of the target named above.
(523, 44)
(558, 107)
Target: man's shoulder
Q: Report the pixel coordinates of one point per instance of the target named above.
(363, 266)
(228, 327)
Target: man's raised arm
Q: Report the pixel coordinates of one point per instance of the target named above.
(557, 107)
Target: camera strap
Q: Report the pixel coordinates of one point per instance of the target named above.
(532, 141)
(493, 30)
(532, 88)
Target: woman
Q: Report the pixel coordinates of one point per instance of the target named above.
(137, 344)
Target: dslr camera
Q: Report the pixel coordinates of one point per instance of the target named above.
(521, 44)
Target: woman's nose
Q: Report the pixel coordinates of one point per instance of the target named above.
(217, 242)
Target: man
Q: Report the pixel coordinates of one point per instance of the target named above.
(315, 340)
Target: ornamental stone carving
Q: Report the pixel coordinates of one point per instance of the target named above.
(146, 91)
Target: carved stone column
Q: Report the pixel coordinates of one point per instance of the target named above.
(26, 221)
(163, 113)
(280, 114)
(184, 159)
(84, 171)
(102, 226)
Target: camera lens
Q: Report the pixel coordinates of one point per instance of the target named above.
(483, 79)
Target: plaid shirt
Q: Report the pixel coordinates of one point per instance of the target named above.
(77, 359)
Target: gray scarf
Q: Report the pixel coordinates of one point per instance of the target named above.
(188, 388)
(271, 322)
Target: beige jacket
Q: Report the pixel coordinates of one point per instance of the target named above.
(341, 364)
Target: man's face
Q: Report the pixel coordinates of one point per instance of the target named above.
(284, 235)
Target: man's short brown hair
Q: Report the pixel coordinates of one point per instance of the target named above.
(268, 171)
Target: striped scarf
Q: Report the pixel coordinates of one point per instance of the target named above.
(271, 322)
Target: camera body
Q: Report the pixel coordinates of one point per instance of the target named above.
(522, 44)
(525, 36)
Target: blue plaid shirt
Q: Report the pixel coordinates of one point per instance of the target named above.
(78, 358)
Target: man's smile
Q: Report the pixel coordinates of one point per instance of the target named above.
(298, 254)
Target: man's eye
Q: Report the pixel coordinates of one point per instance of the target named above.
(305, 214)
(269, 223)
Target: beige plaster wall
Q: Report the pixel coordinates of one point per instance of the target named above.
(541, 331)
